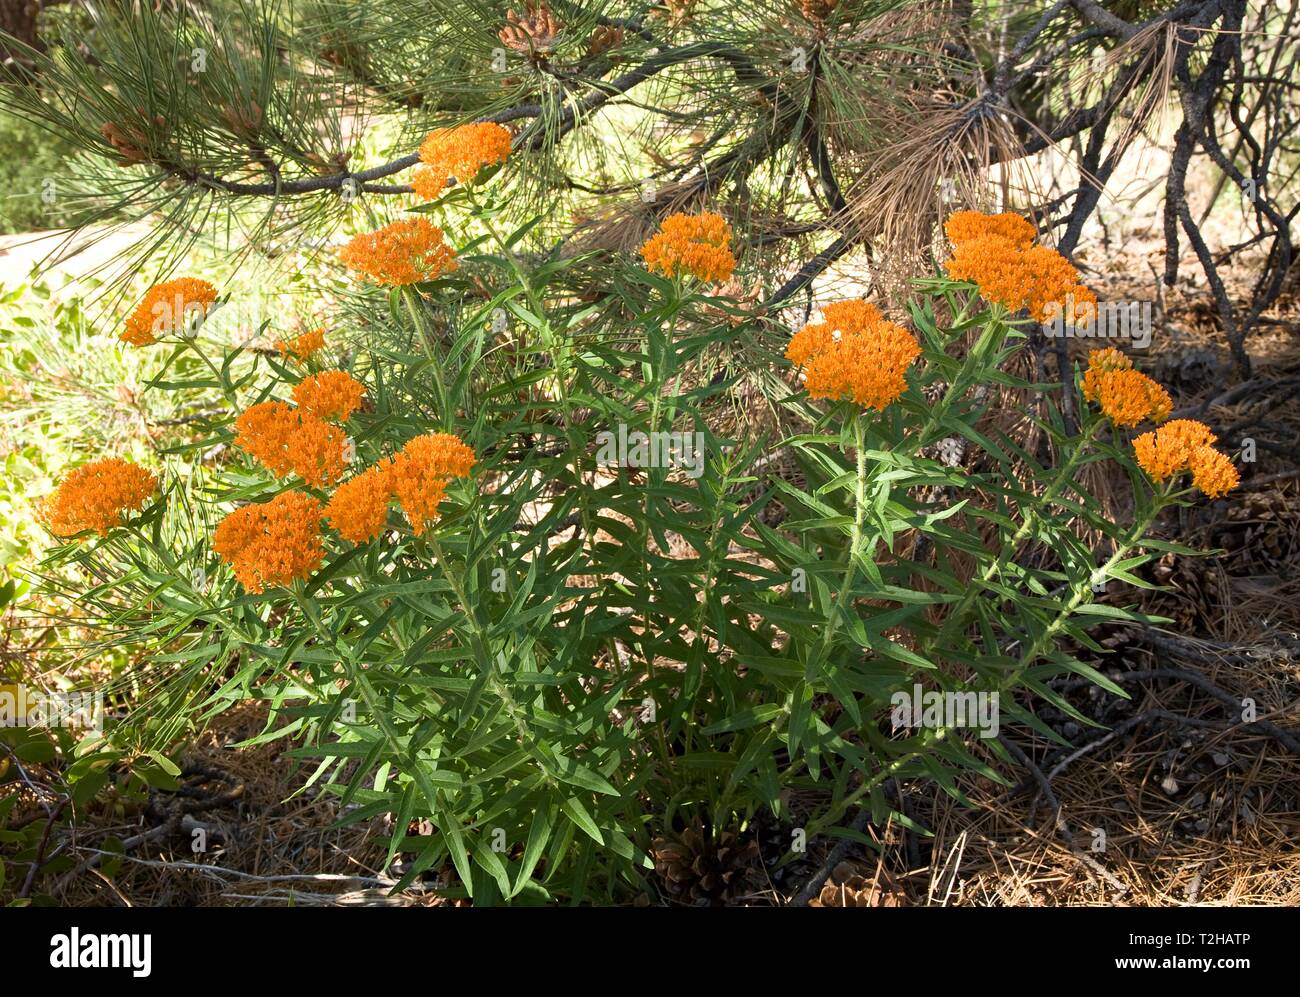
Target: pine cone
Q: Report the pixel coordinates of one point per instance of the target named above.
(1261, 534)
(132, 143)
(245, 120)
(342, 51)
(532, 35)
(678, 11)
(817, 11)
(328, 167)
(421, 828)
(604, 38)
(847, 888)
(1195, 597)
(698, 867)
(743, 297)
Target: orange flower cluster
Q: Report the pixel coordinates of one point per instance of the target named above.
(1186, 445)
(420, 472)
(284, 440)
(94, 496)
(458, 152)
(302, 347)
(1034, 277)
(274, 543)
(331, 394)
(695, 244)
(996, 253)
(417, 476)
(1126, 396)
(405, 252)
(427, 182)
(854, 354)
(1169, 449)
(964, 226)
(358, 509)
(1213, 473)
(1101, 363)
(168, 307)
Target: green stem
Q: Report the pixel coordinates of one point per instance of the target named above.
(660, 370)
(191, 342)
(558, 347)
(358, 678)
(956, 619)
(832, 816)
(659, 373)
(994, 335)
(930, 735)
(482, 650)
(415, 308)
(1084, 589)
(843, 595)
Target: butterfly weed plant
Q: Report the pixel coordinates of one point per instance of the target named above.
(492, 561)
(465, 607)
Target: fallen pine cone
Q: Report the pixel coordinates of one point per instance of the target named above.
(696, 868)
(848, 888)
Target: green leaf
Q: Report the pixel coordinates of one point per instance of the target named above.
(576, 812)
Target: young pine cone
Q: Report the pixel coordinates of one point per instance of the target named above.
(817, 11)
(534, 34)
(603, 39)
(328, 167)
(678, 11)
(245, 120)
(133, 145)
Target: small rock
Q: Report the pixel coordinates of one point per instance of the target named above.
(1169, 784)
